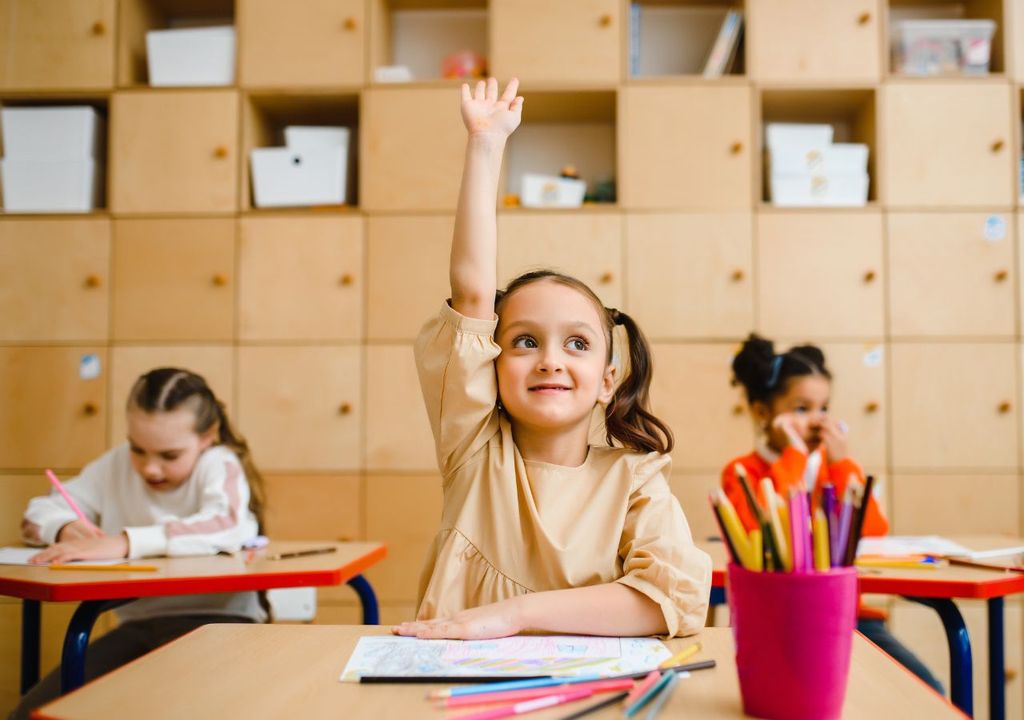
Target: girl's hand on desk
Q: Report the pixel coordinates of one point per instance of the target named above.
(107, 547)
(484, 113)
(482, 623)
(78, 530)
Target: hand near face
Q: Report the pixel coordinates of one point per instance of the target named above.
(833, 437)
(794, 427)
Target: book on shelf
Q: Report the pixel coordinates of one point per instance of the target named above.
(723, 51)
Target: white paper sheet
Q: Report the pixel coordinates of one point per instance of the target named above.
(505, 657)
(20, 556)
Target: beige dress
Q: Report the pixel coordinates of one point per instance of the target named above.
(512, 526)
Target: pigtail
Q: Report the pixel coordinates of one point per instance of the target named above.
(238, 445)
(627, 418)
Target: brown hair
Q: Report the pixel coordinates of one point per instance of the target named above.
(167, 389)
(627, 418)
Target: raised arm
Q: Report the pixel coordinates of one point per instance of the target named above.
(489, 121)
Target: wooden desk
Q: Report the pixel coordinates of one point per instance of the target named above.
(99, 591)
(274, 671)
(937, 589)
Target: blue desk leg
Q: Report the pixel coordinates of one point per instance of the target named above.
(367, 597)
(960, 676)
(996, 661)
(76, 641)
(29, 644)
(717, 596)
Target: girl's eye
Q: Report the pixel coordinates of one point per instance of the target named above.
(801, 409)
(169, 456)
(136, 451)
(578, 344)
(524, 341)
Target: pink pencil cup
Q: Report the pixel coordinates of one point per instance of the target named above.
(793, 634)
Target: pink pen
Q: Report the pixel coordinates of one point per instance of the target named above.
(796, 530)
(64, 493)
(506, 696)
(528, 706)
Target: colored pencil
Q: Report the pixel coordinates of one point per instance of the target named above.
(490, 698)
(527, 706)
(662, 697)
(829, 504)
(822, 562)
(535, 682)
(735, 529)
(613, 700)
(643, 686)
(113, 568)
(683, 654)
(779, 536)
(965, 562)
(59, 487)
(301, 553)
(638, 704)
(733, 555)
(796, 530)
(858, 521)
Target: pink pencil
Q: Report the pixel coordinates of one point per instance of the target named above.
(528, 706)
(597, 686)
(643, 686)
(64, 493)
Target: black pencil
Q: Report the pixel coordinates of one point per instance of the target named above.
(857, 525)
(596, 706)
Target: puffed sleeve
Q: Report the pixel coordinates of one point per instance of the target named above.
(659, 558)
(455, 360)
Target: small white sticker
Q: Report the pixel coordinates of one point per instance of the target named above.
(89, 366)
(995, 228)
(873, 357)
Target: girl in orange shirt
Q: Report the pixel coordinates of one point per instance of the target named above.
(801, 446)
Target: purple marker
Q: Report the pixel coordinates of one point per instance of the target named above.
(845, 517)
(828, 504)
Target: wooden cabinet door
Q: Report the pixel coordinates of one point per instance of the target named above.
(819, 274)
(690, 275)
(300, 278)
(301, 407)
(692, 493)
(174, 151)
(315, 42)
(57, 44)
(951, 274)
(216, 363)
(859, 397)
(693, 394)
(174, 279)
(948, 144)
(587, 246)
(411, 149)
(401, 296)
(54, 412)
(570, 41)
(959, 504)
(685, 147)
(47, 300)
(808, 40)
(315, 507)
(398, 435)
(953, 406)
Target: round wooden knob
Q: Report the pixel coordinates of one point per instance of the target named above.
(737, 409)
(89, 409)
(864, 18)
(1005, 407)
(93, 281)
(736, 148)
(349, 24)
(220, 279)
(871, 407)
(99, 27)
(1001, 275)
(346, 279)
(605, 20)
(344, 409)
(220, 152)
(737, 275)
(997, 145)
(606, 277)
(870, 276)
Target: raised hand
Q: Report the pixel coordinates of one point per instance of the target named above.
(484, 113)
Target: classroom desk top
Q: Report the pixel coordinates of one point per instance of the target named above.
(272, 671)
(941, 582)
(187, 575)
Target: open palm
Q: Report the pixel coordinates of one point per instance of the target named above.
(487, 114)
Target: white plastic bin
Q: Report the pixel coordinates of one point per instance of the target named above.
(308, 137)
(935, 47)
(52, 133)
(287, 177)
(551, 191)
(797, 137)
(51, 185)
(818, 190)
(839, 158)
(191, 56)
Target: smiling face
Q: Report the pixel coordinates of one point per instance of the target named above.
(165, 446)
(553, 367)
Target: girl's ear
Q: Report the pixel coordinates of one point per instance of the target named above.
(607, 385)
(761, 412)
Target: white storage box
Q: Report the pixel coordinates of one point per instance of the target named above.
(840, 158)
(551, 191)
(52, 133)
(50, 185)
(796, 137)
(286, 177)
(935, 47)
(310, 137)
(191, 56)
(814, 189)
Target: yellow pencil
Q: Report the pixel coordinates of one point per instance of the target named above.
(819, 528)
(756, 550)
(115, 568)
(734, 527)
(683, 654)
(883, 563)
(780, 537)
